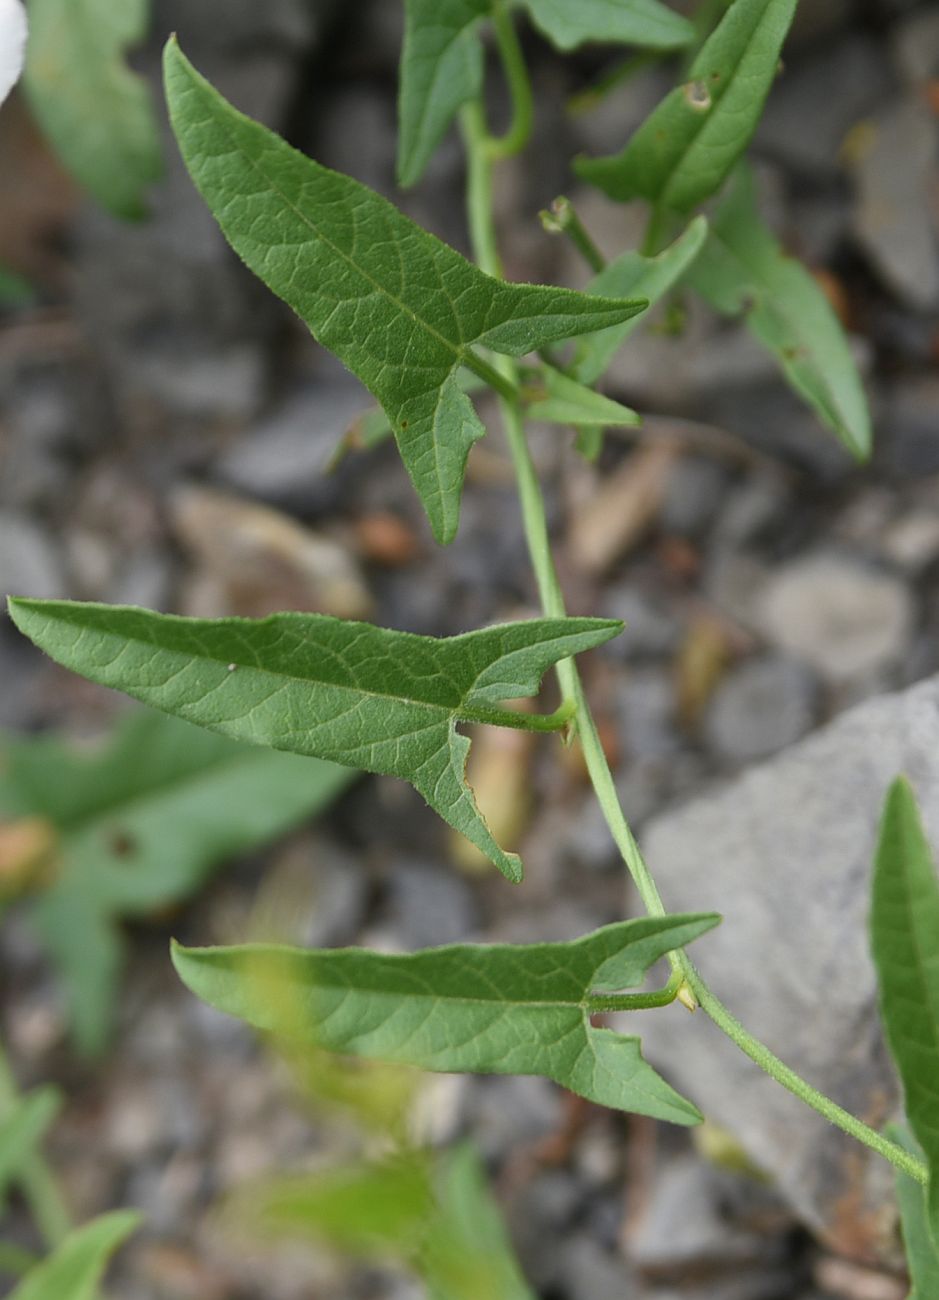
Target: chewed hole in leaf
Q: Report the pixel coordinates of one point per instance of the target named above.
(698, 96)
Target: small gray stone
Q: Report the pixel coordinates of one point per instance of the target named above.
(760, 707)
(507, 1110)
(684, 1226)
(910, 441)
(695, 492)
(784, 853)
(284, 458)
(846, 620)
(652, 630)
(915, 42)
(832, 88)
(430, 905)
(589, 1272)
(646, 706)
(894, 220)
(29, 561)
(339, 897)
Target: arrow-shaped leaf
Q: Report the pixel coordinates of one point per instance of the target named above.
(905, 946)
(141, 823)
(401, 309)
(481, 1009)
(442, 57)
(689, 143)
(75, 1269)
(96, 112)
(646, 277)
(742, 269)
(348, 692)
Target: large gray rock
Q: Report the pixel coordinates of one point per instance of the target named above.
(784, 852)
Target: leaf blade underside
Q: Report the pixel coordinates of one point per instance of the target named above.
(95, 111)
(743, 270)
(351, 693)
(400, 309)
(513, 1009)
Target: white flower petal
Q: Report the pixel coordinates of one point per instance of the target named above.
(12, 44)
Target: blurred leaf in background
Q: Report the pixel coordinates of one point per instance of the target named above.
(74, 1270)
(137, 826)
(96, 113)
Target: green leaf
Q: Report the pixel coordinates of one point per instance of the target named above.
(558, 399)
(96, 113)
(21, 1128)
(352, 693)
(436, 1216)
(646, 277)
(142, 823)
(442, 56)
(479, 1009)
(373, 427)
(645, 23)
(689, 143)
(362, 1209)
(401, 309)
(742, 269)
(441, 69)
(905, 946)
(74, 1271)
(921, 1255)
(467, 1252)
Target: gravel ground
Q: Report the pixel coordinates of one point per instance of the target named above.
(165, 435)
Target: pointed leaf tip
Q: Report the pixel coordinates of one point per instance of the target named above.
(351, 693)
(402, 310)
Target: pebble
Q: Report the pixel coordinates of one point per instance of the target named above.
(29, 560)
(760, 707)
(429, 905)
(895, 223)
(652, 629)
(684, 1226)
(694, 495)
(646, 706)
(845, 620)
(589, 1272)
(284, 458)
(908, 443)
(784, 853)
(833, 87)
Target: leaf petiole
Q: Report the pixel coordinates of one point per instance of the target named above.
(597, 1002)
(555, 721)
(562, 219)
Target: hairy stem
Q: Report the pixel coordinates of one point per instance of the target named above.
(34, 1176)
(689, 985)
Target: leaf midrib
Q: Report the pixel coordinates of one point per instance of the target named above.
(459, 351)
(707, 118)
(447, 710)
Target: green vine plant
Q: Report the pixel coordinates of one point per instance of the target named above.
(424, 329)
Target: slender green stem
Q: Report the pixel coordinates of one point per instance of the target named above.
(520, 721)
(34, 1176)
(562, 219)
(688, 984)
(516, 74)
(778, 1070)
